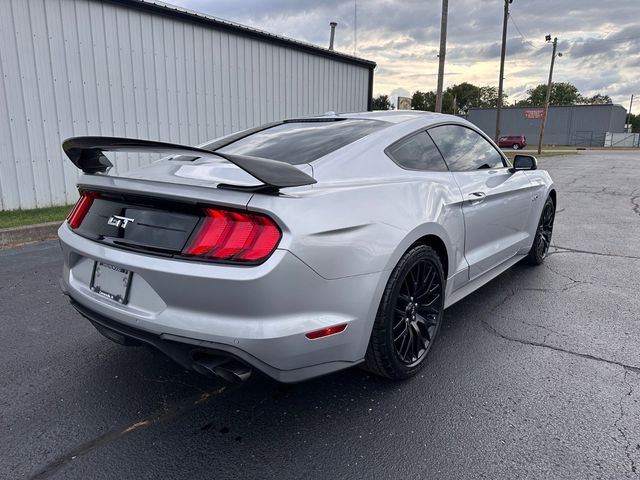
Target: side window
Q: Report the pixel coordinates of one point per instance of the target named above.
(464, 149)
(417, 152)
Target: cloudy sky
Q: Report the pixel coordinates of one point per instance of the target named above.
(599, 39)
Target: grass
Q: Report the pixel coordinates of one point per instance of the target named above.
(19, 218)
(512, 154)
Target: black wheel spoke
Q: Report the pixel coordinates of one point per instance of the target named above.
(423, 329)
(428, 283)
(545, 229)
(404, 298)
(417, 310)
(407, 344)
(401, 334)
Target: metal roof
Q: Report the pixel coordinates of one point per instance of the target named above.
(529, 107)
(161, 8)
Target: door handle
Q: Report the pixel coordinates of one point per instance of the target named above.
(476, 197)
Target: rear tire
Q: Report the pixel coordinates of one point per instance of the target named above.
(409, 315)
(542, 240)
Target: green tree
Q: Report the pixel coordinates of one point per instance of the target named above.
(635, 123)
(381, 102)
(562, 93)
(427, 101)
(423, 101)
(596, 99)
(466, 95)
(488, 97)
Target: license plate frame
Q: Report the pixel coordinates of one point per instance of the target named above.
(111, 281)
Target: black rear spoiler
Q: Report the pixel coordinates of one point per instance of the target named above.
(86, 153)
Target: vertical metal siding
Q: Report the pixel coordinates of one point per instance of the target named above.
(83, 67)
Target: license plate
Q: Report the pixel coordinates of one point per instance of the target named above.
(111, 282)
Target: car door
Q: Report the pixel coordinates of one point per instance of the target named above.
(496, 203)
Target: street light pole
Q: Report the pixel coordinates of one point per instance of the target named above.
(546, 100)
(628, 120)
(503, 53)
(441, 55)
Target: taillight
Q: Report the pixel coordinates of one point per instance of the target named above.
(234, 236)
(325, 332)
(81, 208)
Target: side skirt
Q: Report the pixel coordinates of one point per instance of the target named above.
(478, 282)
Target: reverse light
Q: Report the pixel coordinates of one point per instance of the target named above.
(234, 236)
(81, 208)
(326, 331)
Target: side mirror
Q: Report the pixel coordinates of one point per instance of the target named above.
(524, 162)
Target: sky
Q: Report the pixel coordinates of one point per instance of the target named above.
(599, 39)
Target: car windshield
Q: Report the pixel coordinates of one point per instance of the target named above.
(303, 141)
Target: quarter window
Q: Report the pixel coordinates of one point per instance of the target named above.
(464, 149)
(418, 152)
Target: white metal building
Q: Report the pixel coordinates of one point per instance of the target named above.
(147, 70)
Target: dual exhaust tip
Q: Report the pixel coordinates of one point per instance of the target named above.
(222, 367)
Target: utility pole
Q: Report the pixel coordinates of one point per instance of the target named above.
(503, 54)
(443, 50)
(355, 27)
(629, 114)
(546, 100)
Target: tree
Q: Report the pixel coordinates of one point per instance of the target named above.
(427, 101)
(423, 101)
(489, 97)
(597, 99)
(466, 94)
(635, 123)
(562, 93)
(381, 102)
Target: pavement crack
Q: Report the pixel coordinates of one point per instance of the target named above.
(635, 204)
(504, 300)
(563, 275)
(621, 430)
(491, 329)
(177, 410)
(560, 249)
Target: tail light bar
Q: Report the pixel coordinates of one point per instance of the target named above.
(81, 208)
(234, 236)
(325, 332)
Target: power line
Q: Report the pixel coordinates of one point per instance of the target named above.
(513, 21)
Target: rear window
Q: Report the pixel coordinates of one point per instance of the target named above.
(303, 141)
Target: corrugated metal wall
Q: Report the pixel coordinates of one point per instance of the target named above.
(566, 125)
(83, 67)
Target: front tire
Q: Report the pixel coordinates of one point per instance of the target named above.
(516, 146)
(409, 315)
(542, 240)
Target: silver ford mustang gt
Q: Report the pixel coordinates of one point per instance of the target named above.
(300, 247)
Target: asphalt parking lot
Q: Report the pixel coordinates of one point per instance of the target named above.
(536, 375)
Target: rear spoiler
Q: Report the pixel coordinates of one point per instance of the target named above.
(86, 153)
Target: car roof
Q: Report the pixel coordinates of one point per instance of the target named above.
(391, 116)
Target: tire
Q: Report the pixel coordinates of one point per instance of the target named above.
(544, 231)
(405, 329)
(516, 146)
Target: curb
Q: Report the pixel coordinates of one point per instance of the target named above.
(10, 237)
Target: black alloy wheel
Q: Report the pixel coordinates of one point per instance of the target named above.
(409, 315)
(542, 240)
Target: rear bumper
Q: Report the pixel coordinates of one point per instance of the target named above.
(258, 315)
